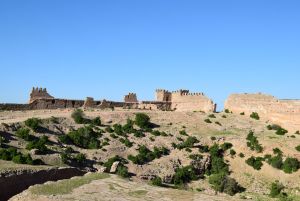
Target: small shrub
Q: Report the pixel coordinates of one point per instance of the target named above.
(196, 157)
(298, 148)
(242, 113)
(33, 123)
(39, 144)
(277, 151)
(218, 123)
(222, 183)
(241, 155)
(77, 115)
(139, 134)
(208, 121)
(290, 165)
(142, 120)
(232, 152)
(281, 131)
(255, 116)
(256, 163)
(110, 162)
(188, 150)
(276, 189)
(297, 132)
(253, 143)
(183, 132)
(212, 116)
(213, 138)
(96, 121)
(157, 181)
(203, 148)
(275, 161)
(122, 171)
(80, 158)
(155, 133)
(184, 175)
(224, 116)
(113, 136)
(109, 129)
(226, 146)
(188, 143)
(24, 134)
(226, 111)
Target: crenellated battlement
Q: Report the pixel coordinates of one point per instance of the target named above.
(130, 98)
(39, 93)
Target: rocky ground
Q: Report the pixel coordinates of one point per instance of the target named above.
(224, 127)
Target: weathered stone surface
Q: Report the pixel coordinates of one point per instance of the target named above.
(283, 112)
(114, 167)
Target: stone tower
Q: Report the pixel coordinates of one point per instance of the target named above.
(163, 95)
(130, 98)
(39, 93)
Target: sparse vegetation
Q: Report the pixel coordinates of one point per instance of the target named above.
(276, 189)
(253, 143)
(208, 121)
(242, 113)
(255, 116)
(33, 123)
(212, 116)
(290, 165)
(24, 134)
(279, 130)
(39, 144)
(145, 155)
(188, 143)
(226, 111)
(142, 120)
(255, 162)
(223, 183)
(157, 181)
(298, 148)
(11, 154)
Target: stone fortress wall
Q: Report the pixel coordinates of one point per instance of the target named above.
(283, 112)
(183, 100)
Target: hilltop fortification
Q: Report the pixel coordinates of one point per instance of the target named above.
(39, 93)
(284, 112)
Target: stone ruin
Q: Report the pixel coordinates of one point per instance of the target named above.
(130, 98)
(39, 93)
(279, 111)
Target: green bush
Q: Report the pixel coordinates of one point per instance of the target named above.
(290, 165)
(84, 137)
(122, 171)
(196, 157)
(242, 155)
(224, 184)
(145, 155)
(128, 127)
(253, 143)
(184, 175)
(96, 121)
(65, 157)
(188, 143)
(218, 164)
(281, 131)
(157, 181)
(24, 134)
(298, 148)
(80, 158)
(232, 152)
(242, 113)
(275, 161)
(183, 132)
(276, 189)
(113, 136)
(224, 116)
(33, 123)
(110, 162)
(218, 123)
(208, 121)
(118, 129)
(11, 154)
(226, 111)
(256, 163)
(255, 115)
(78, 117)
(213, 138)
(109, 129)
(155, 133)
(226, 146)
(297, 132)
(142, 120)
(39, 144)
(139, 134)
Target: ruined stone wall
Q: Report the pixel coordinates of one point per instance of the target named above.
(283, 112)
(55, 104)
(182, 100)
(163, 95)
(155, 105)
(39, 93)
(130, 98)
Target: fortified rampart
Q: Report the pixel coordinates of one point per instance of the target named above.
(39, 93)
(183, 100)
(283, 112)
(130, 98)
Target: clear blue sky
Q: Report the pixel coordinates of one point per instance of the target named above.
(105, 49)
